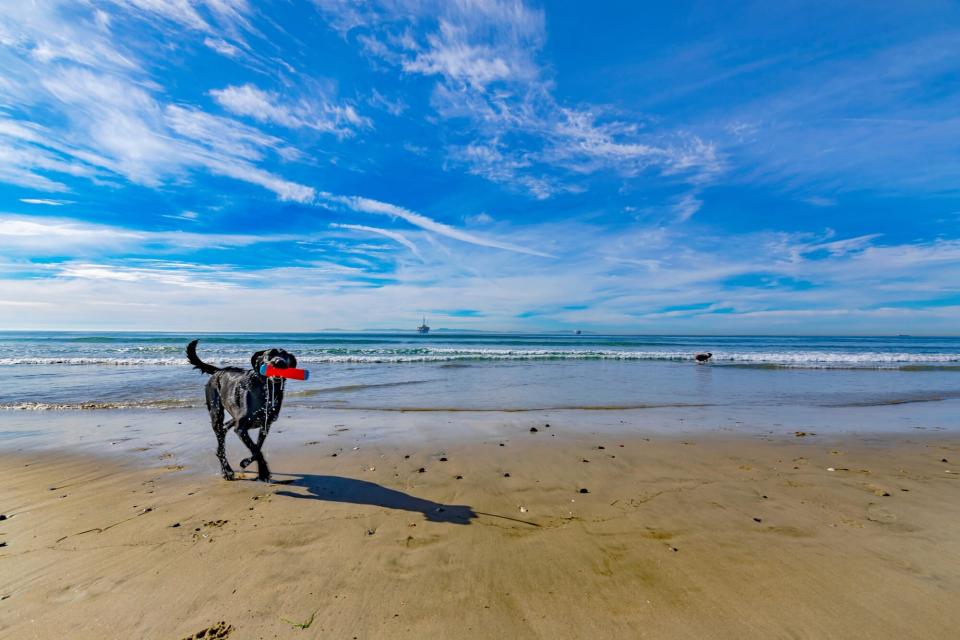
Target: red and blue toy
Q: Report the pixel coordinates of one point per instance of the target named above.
(293, 374)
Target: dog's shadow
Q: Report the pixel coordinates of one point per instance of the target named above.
(349, 490)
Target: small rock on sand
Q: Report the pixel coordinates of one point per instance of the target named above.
(584, 491)
(534, 430)
(421, 470)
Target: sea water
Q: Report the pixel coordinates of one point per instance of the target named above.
(485, 371)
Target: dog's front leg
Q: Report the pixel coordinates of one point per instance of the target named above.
(264, 430)
(243, 430)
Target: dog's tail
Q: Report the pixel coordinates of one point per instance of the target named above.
(197, 362)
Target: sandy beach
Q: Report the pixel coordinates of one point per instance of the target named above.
(519, 530)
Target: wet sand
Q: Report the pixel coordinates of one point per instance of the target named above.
(556, 534)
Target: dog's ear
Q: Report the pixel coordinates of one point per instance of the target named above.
(255, 360)
(293, 360)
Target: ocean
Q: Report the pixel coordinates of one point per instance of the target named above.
(485, 371)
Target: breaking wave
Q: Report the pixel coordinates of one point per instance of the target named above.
(768, 359)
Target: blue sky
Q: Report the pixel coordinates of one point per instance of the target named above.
(788, 167)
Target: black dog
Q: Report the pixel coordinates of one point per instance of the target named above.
(252, 400)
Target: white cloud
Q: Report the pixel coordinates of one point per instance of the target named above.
(119, 127)
(266, 106)
(45, 201)
(222, 47)
(820, 201)
(31, 236)
(230, 14)
(484, 56)
(687, 205)
(626, 279)
(64, 60)
(368, 205)
(393, 235)
(174, 274)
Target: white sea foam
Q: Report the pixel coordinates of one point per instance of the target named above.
(815, 359)
(97, 406)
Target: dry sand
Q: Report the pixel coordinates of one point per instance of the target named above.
(711, 537)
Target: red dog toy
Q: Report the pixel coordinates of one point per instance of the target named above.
(294, 374)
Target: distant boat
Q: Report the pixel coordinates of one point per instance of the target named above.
(423, 328)
(579, 332)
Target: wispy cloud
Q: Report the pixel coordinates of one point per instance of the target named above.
(203, 15)
(484, 57)
(368, 205)
(266, 106)
(393, 235)
(45, 201)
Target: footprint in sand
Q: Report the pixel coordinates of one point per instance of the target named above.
(219, 630)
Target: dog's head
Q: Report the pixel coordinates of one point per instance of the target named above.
(279, 358)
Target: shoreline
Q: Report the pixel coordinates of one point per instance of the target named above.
(699, 534)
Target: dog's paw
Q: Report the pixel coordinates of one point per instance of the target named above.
(229, 475)
(265, 478)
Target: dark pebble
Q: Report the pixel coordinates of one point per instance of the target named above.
(943, 460)
(584, 460)
(758, 520)
(405, 457)
(443, 459)
(3, 544)
(175, 525)
(764, 497)
(2, 517)
(459, 477)
(333, 455)
(584, 490)
(421, 470)
(506, 475)
(601, 447)
(502, 445)
(547, 425)
(534, 429)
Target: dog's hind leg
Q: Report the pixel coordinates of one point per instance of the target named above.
(243, 430)
(215, 407)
